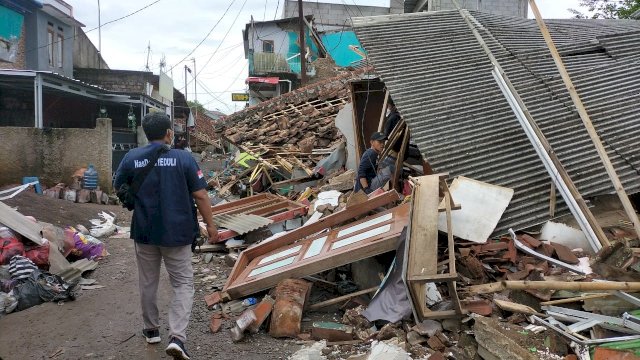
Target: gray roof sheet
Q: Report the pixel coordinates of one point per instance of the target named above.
(440, 79)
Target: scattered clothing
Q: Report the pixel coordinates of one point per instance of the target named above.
(21, 268)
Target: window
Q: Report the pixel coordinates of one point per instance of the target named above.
(59, 49)
(50, 37)
(267, 46)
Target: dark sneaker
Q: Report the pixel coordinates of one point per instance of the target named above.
(151, 335)
(177, 350)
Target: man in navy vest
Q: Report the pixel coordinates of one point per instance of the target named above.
(164, 226)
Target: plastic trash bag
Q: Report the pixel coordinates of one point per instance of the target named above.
(8, 303)
(41, 287)
(86, 246)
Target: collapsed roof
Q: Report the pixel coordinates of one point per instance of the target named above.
(440, 79)
(302, 114)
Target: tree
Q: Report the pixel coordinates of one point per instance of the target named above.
(607, 9)
(195, 105)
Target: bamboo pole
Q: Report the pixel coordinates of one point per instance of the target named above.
(340, 299)
(576, 299)
(553, 285)
(617, 185)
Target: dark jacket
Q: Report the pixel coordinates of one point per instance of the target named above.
(164, 213)
(367, 168)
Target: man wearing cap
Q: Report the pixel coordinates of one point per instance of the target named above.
(369, 163)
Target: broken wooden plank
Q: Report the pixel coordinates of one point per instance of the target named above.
(366, 238)
(310, 229)
(422, 256)
(516, 308)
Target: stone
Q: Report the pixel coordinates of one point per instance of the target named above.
(428, 327)
(495, 344)
(413, 338)
(389, 331)
(451, 325)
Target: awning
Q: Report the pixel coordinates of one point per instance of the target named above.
(265, 80)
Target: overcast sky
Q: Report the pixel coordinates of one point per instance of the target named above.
(173, 28)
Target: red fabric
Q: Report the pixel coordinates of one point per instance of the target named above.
(39, 255)
(10, 246)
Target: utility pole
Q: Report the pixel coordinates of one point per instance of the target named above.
(148, 53)
(186, 123)
(195, 80)
(303, 60)
(99, 35)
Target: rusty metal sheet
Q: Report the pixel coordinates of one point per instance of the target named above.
(242, 223)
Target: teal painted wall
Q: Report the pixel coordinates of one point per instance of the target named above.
(10, 24)
(337, 45)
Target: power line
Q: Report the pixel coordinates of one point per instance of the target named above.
(206, 37)
(221, 42)
(97, 27)
(275, 15)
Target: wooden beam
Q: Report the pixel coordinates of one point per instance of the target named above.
(400, 160)
(383, 115)
(422, 241)
(584, 116)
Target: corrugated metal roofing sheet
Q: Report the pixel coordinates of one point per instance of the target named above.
(440, 79)
(241, 223)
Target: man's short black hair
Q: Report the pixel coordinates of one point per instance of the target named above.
(155, 125)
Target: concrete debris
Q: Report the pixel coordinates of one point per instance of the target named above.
(313, 352)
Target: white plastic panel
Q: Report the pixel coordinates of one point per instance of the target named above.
(315, 247)
(275, 265)
(364, 225)
(284, 253)
(365, 235)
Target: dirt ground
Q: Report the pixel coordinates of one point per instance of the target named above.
(106, 323)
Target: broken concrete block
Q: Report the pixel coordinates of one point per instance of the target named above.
(331, 331)
(290, 295)
(242, 323)
(387, 351)
(313, 352)
(262, 311)
(390, 331)
(494, 344)
(427, 327)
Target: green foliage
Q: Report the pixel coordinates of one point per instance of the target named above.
(196, 105)
(607, 9)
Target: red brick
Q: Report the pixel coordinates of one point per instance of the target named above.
(528, 239)
(565, 254)
(610, 354)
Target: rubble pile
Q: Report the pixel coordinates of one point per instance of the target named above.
(303, 118)
(520, 296)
